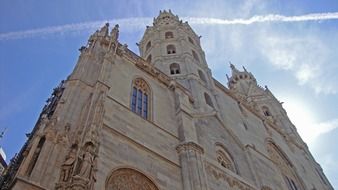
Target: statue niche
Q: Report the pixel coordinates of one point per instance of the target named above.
(128, 179)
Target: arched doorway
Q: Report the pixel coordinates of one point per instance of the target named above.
(129, 179)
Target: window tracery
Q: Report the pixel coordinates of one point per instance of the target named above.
(127, 179)
(140, 98)
(224, 158)
(284, 165)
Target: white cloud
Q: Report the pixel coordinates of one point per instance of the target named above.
(307, 58)
(327, 126)
(305, 121)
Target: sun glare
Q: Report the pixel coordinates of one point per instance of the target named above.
(302, 117)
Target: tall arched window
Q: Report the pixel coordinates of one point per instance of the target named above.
(36, 155)
(149, 58)
(224, 158)
(266, 111)
(208, 100)
(140, 98)
(169, 35)
(195, 56)
(148, 45)
(171, 49)
(202, 77)
(175, 68)
(286, 168)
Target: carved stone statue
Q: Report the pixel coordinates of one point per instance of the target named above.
(68, 165)
(87, 163)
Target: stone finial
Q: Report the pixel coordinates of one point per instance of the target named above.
(232, 66)
(104, 30)
(244, 69)
(227, 77)
(115, 33)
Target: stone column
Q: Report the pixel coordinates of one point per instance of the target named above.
(193, 173)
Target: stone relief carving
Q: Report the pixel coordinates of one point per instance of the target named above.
(231, 181)
(127, 179)
(266, 188)
(188, 146)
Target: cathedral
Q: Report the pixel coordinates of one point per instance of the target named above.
(160, 121)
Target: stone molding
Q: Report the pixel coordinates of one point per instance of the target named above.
(189, 146)
(232, 181)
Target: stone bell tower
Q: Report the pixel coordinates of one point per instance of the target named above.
(173, 47)
(244, 86)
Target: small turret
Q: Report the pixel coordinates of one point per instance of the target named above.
(240, 79)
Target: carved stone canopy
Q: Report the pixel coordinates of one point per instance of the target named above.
(129, 179)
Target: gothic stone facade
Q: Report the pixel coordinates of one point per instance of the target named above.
(160, 121)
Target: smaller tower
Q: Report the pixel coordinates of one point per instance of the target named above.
(244, 86)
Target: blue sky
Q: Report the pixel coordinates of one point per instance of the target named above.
(39, 43)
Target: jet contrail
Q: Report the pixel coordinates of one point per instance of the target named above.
(266, 18)
(126, 23)
(138, 23)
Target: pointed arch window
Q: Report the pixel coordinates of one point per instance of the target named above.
(286, 168)
(266, 111)
(224, 158)
(149, 58)
(140, 98)
(202, 76)
(290, 183)
(175, 69)
(195, 56)
(148, 45)
(171, 49)
(169, 35)
(208, 100)
(36, 155)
